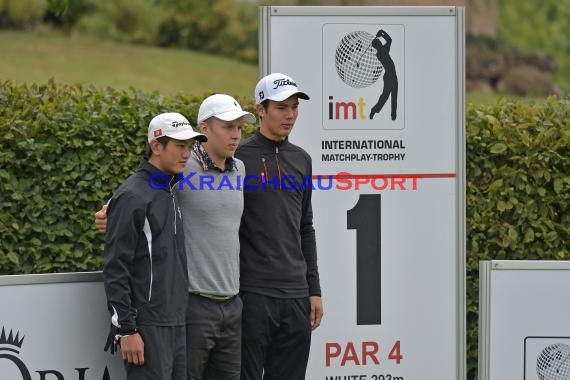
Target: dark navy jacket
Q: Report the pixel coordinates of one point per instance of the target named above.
(145, 272)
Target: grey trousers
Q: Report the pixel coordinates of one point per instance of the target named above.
(213, 338)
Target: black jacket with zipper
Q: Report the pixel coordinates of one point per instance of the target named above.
(277, 238)
(145, 272)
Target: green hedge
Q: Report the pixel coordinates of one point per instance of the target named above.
(64, 149)
(518, 190)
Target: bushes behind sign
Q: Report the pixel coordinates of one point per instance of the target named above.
(518, 191)
(64, 149)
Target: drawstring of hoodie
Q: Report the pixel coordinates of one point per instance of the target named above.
(278, 166)
(265, 172)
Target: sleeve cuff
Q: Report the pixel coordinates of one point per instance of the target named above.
(127, 331)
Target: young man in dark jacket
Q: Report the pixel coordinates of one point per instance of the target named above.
(145, 271)
(279, 276)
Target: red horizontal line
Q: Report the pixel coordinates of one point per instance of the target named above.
(353, 176)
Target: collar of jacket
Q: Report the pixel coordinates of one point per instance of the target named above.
(207, 163)
(270, 143)
(161, 179)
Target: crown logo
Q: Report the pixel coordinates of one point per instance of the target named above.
(11, 340)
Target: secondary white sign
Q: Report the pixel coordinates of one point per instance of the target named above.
(523, 320)
(54, 327)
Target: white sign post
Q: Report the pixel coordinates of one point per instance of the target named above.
(385, 129)
(524, 320)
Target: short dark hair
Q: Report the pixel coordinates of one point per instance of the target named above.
(163, 140)
(265, 105)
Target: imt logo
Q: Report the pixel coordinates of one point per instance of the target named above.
(13, 367)
(363, 76)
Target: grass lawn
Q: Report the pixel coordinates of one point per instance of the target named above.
(35, 58)
(28, 58)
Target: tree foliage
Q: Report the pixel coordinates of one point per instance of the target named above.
(538, 25)
(135, 21)
(223, 27)
(23, 14)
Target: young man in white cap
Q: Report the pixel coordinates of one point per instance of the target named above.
(280, 286)
(144, 270)
(211, 193)
(211, 197)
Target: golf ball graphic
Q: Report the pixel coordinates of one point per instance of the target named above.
(355, 60)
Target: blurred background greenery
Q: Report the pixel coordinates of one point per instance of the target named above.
(514, 48)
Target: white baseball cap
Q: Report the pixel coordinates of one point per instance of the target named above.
(173, 125)
(223, 107)
(277, 87)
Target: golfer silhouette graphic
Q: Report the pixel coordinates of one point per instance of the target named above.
(390, 77)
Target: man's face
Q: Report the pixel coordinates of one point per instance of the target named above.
(223, 137)
(279, 117)
(171, 158)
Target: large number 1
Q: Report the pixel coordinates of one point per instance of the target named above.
(365, 219)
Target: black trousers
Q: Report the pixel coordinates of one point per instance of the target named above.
(213, 338)
(164, 354)
(276, 337)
